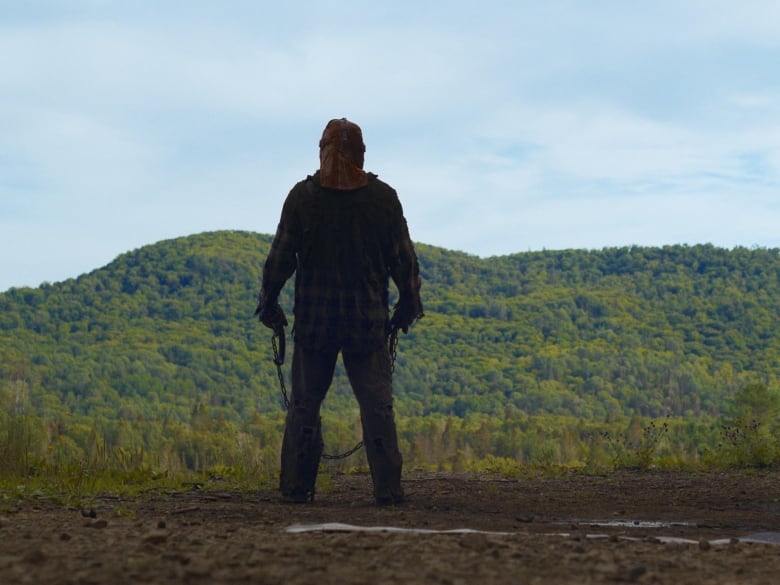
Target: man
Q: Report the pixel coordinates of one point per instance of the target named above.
(343, 234)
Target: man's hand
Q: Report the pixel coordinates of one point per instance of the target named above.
(273, 317)
(270, 314)
(402, 318)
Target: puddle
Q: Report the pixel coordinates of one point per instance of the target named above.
(662, 539)
(630, 523)
(759, 537)
(339, 527)
(762, 537)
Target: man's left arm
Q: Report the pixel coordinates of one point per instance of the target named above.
(405, 272)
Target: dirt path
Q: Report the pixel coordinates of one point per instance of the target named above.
(567, 529)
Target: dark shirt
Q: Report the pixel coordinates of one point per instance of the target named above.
(343, 247)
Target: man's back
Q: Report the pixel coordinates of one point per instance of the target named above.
(346, 243)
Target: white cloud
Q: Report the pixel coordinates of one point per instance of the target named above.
(750, 22)
(504, 126)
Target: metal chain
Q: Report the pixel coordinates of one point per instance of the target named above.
(392, 346)
(345, 454)
(278, 361)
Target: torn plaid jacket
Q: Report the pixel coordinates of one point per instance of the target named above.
(343, 247)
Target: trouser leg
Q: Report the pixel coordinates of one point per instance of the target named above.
(371, 379)
(312, 373)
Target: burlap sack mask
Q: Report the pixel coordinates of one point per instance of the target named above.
(341, 156)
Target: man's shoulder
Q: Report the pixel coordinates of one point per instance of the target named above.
(309, 182)
(378, 185)
(304, 186)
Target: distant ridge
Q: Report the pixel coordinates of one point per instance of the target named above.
(652, 330)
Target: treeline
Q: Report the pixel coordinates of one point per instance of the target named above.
(593, 334)
(625, 356)
(80, 449)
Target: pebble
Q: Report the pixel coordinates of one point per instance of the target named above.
(197, 569)
(475, 542)
(155, 537)
(635, 572)
(35, 557)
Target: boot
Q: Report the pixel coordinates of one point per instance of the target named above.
(301, 452)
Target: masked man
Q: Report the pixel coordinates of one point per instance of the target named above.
(344, 235)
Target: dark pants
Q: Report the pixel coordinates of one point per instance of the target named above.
(370, 376)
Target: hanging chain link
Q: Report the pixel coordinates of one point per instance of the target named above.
(277, 340)
(392, 347)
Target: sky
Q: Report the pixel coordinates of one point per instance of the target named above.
(505, 126)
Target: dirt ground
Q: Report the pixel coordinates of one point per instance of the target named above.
(572, 528)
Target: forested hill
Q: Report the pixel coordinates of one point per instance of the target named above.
(162, 329)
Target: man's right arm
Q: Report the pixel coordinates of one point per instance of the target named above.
(280, 264)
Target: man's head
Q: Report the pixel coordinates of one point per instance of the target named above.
(341, 156)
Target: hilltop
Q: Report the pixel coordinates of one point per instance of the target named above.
(168, 328)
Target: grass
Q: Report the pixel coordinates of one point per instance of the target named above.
(35, 466)
(25, 474)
